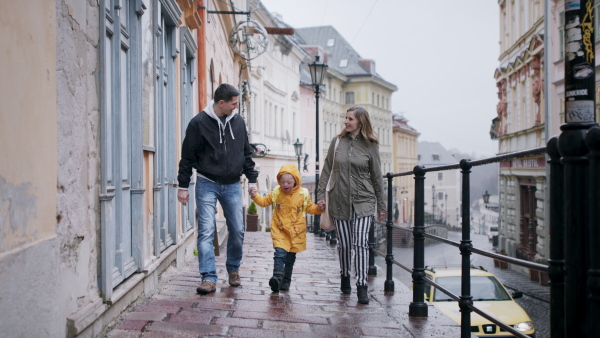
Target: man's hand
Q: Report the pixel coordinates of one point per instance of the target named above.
(381, 216)
(252, 190)
(183, 196)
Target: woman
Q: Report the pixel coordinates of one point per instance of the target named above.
(356, 194)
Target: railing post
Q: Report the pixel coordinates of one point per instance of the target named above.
(333, 240)
(465, 245)
(580, 114)
(556, 270)
(372, 268)
(418, 308)
(593, 141)
(573, 151)
(389, 281)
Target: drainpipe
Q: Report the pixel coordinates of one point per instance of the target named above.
(202, 76)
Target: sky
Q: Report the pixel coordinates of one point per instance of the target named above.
(440, 54)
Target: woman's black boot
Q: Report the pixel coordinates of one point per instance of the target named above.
(345, 287)
(363, 295)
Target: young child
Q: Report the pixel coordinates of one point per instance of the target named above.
(288, 225)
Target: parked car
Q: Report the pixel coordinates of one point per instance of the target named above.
(493, 232)
(489, 295)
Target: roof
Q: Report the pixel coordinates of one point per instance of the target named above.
(399, 122)
(340, 55)
(434, 154)
(454, 272)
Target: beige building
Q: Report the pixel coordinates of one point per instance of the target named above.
(405, 158)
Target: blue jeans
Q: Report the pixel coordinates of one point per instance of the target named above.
(284, 261)
(230, 198)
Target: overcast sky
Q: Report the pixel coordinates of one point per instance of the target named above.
(440, 54)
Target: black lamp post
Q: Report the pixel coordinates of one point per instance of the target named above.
(317, 71)
(446, 218)
(298, 150)
(486, 198)
(433, 202)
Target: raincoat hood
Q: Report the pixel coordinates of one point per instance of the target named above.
(293, 170)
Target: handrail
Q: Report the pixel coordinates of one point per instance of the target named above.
(418, 308)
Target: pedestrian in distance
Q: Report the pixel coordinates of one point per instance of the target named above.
(216, 145)
(290, 203)
(355, 196)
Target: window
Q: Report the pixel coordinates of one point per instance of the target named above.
(188, 76)
(440, 196)
(121, 143)
(343, 63)
(561, 35)
(436, 157)
(349, 97)
(166, 23)
(440, 177)
(330, 42)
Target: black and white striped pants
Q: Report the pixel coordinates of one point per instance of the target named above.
(353, 236)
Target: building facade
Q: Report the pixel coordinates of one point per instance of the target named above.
(443, 189)
(100, 96)
(405, 158)
(350, 81)
(275, 112)
(521, 125)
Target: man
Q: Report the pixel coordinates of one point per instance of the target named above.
(216, 145)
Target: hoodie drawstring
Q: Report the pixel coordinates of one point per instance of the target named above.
(222, 126)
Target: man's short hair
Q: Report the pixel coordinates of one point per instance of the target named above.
(225, 92)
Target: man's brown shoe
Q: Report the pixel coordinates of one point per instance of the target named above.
(206, 287)
(234, 279)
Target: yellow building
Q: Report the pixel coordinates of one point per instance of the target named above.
(405, 158)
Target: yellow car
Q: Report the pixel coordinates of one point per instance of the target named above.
(489, 295)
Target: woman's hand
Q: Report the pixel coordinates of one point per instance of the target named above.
(381, 216)
(321, 204)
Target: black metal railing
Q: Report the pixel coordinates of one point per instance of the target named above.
(573, 222)
(418, 307)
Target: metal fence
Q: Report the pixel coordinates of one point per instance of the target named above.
(573, 181)
(418, 308)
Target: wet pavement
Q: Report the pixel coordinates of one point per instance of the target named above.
(313, 307)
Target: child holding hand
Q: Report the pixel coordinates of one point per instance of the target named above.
(288, 225)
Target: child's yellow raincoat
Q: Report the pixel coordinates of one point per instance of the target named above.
(288, 224)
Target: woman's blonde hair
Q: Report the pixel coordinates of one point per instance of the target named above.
(364, 123)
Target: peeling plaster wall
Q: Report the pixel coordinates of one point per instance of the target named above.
(77, 212)
(29, 266)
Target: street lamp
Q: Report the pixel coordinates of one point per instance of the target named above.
(486, 198)
(317, 71)
(446, 218)
(298, 149)
(433, 202)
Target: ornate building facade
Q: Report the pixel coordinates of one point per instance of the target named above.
(520, 124)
